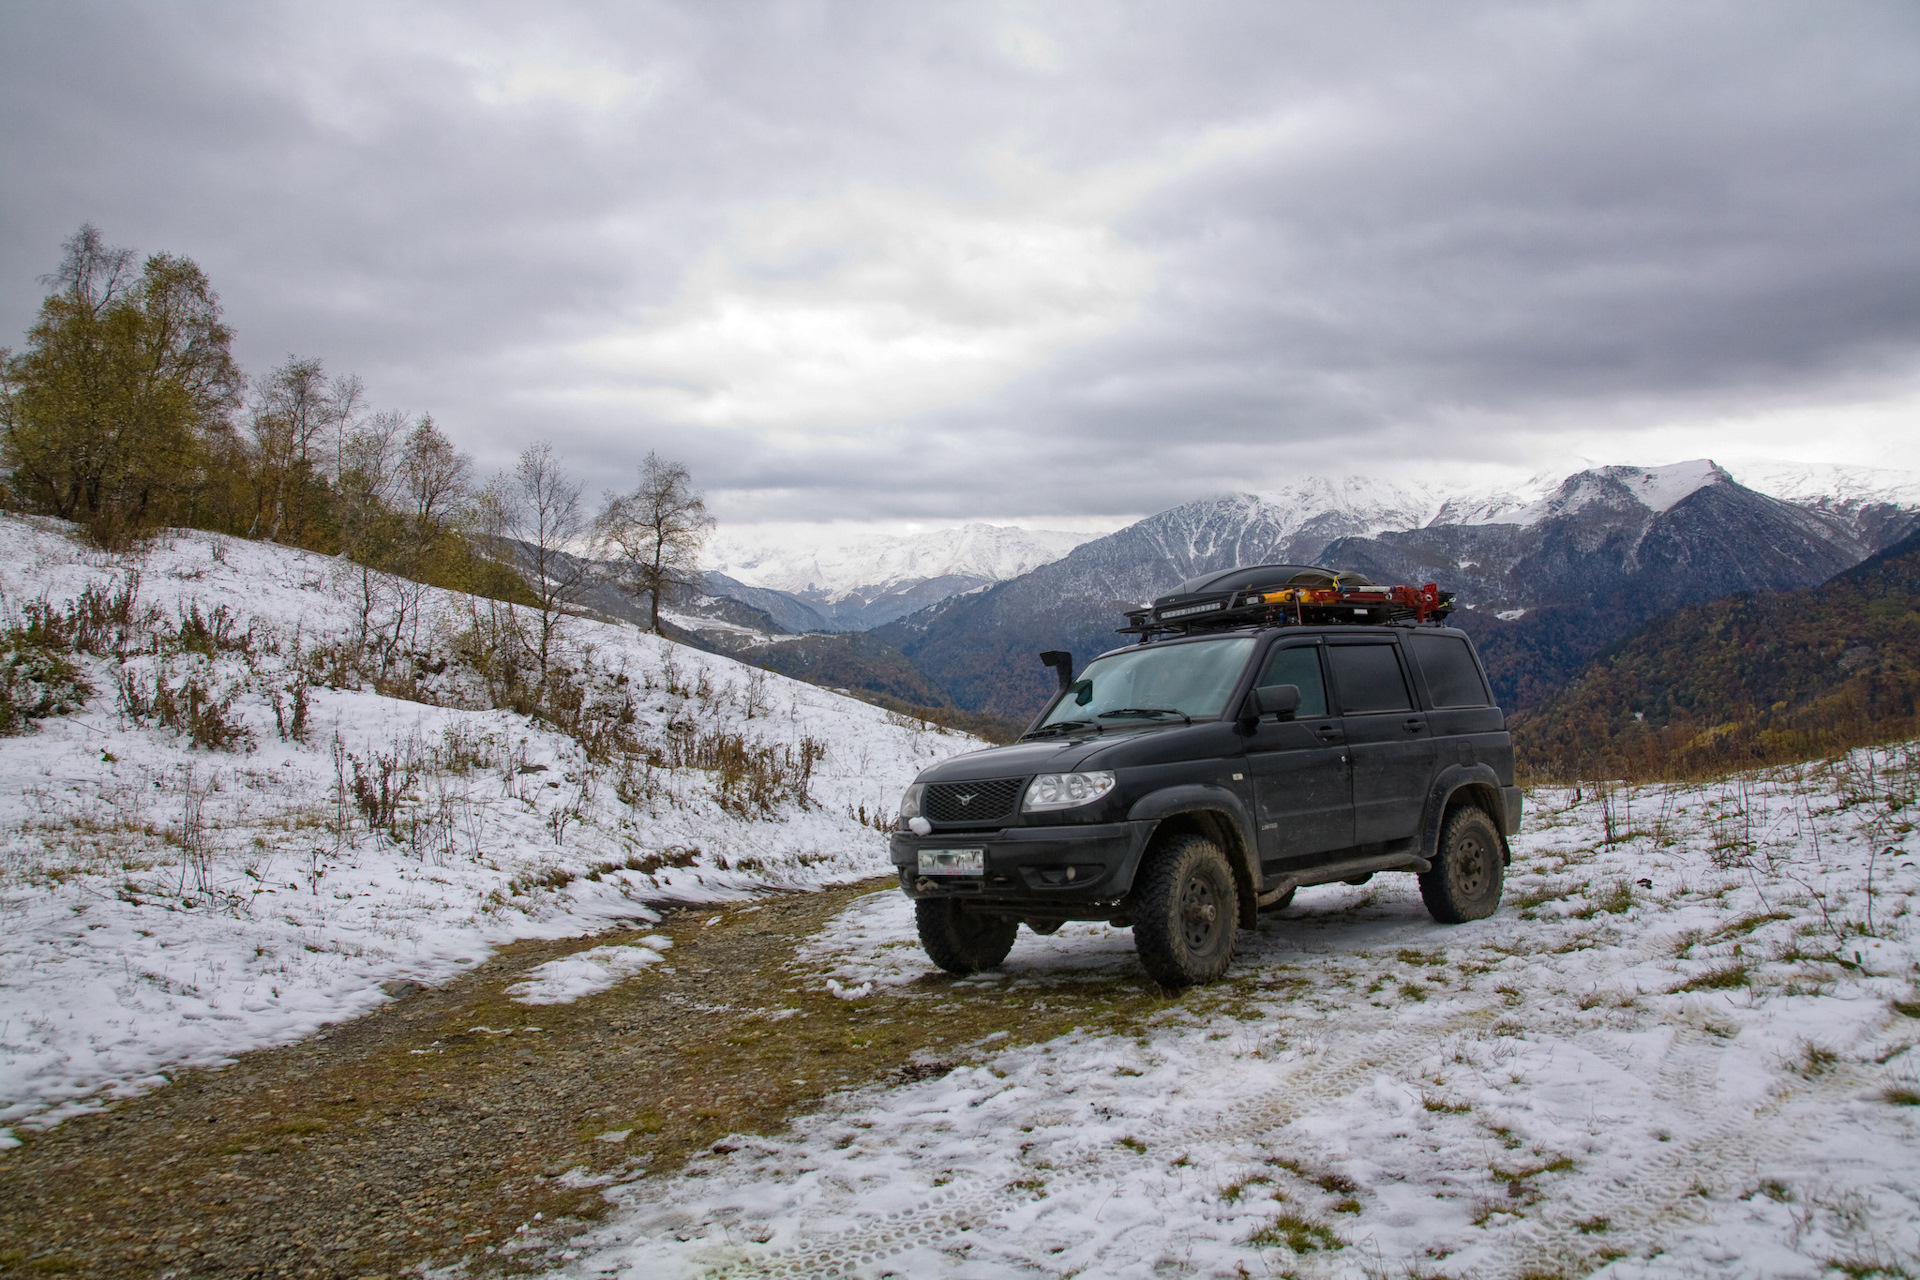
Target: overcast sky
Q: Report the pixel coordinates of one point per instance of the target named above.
(892, 261)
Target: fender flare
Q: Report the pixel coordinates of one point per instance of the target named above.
(1451, 780)
(1211, 798)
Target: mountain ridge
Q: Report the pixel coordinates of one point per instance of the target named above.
(1597, 556)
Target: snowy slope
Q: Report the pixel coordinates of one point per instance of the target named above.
(1825, 485)
(163, 904)
(1336, 506)
(1686, 1046)
(832, 568)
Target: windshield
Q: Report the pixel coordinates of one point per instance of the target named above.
(1183, 679)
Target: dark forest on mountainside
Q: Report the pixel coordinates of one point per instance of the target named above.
(1749, 679)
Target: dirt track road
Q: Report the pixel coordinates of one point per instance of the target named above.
(441, 1128)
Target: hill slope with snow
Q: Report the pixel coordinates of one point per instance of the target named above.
(287, 782)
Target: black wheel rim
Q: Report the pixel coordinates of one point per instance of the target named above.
(1199, 911)
(1470, 870)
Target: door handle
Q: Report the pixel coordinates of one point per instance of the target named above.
(1326, 731)
(1414, 724)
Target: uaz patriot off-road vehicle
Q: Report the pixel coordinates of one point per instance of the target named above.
(1274, 727)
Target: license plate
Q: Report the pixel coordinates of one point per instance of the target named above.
(953, 862)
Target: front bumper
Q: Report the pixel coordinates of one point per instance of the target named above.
(1065, 865)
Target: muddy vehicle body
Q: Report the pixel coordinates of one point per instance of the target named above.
(1183, 784)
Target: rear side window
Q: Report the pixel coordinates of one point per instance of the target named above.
(1368, 678)
(1299, 666)
(1453, 678)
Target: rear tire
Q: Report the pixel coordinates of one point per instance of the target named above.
(1185, 911)
(1469, 870)
(959, 942)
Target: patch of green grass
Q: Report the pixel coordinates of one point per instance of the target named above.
(1593, 1226)
(1300, 1234)
(1616, 899)
(1132, 1144)
(1901, 1095)
(1527, 899)
(1906, 1008)
(1412, 991)
(1433, 1103)
(1233, 1192)
(1747, 924)
(1867, 1268)
(1728, 977)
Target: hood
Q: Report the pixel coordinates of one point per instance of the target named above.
(1061, 755)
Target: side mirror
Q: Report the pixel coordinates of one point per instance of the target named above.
(1281, 700)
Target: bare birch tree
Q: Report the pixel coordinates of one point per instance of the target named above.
(654, 534)
(530, 516)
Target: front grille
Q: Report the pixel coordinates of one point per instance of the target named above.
(975, 803)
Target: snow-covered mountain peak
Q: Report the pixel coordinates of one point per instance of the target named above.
(830, 566)
(1366, 504)
(1653, 489)
(1334, 505)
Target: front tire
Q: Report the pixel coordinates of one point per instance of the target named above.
(1185, 911)
(1468, 872)
(959, 942)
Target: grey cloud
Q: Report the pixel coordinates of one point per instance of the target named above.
(1417, 225)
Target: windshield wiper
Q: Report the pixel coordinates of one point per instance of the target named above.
(1147, 711)
(1060, 726)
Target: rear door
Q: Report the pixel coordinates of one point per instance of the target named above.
(1467, 728)
(1302, 792)
(1388, 738)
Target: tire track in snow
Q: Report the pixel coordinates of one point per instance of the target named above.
(1644, 1212)
(966, 1207)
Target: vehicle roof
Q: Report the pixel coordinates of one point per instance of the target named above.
(1290, 629)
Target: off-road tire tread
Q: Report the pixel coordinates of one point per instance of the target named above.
(1440, 889)
(961, 950)
(1156, 934)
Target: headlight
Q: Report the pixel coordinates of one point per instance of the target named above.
(1066, 790)
(910, 802)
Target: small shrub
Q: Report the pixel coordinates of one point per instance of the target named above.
(380, 784)
(190, 707)
(1814, 1059)
(208, 634)
(36, 683)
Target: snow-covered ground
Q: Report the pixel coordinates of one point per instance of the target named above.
(166, 905)
(1685, 1046)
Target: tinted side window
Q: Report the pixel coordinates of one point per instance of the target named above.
(1452, 677)
(1299, 665)
(1368, 678)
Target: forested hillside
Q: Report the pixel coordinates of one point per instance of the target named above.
(1748, 679)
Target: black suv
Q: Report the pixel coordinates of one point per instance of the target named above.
(1184, 783)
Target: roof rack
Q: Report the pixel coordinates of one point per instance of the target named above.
(1285, 595)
